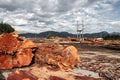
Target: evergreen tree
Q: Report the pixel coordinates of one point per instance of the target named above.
(6, 28)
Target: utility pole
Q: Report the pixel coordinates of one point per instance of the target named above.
(80, 31)
(77, 31)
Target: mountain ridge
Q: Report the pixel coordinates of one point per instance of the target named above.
(66, 34)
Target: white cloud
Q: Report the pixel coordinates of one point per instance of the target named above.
(60, 15)
(115, 23)
(90, 11)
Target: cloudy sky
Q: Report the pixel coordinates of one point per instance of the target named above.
(61, 15)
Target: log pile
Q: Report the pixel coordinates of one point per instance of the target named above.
(94, 41)
(15, 51)
(64, 57)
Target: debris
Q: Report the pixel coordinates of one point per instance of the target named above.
(111, 73)
(42, 73)
(56, 78)
(106, 67)
(21, 75)
(86, 78)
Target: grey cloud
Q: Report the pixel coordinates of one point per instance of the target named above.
(17, 4)
(47, 22)
(65, 5)
(42, 19)
(57, 5)
(86, 3)
(48, 6)
(42, 15)
(91, 2)
(8, 7)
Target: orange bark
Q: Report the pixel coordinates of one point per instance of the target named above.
(65, 57)
(14, 52)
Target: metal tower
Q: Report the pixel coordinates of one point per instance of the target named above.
(80, 31)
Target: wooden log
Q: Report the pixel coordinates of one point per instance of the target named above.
(65, 57)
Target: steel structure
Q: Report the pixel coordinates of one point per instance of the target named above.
(80, 31)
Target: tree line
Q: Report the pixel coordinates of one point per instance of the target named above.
(112, 37)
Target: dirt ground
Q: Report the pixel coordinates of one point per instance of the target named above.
(98, 61)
